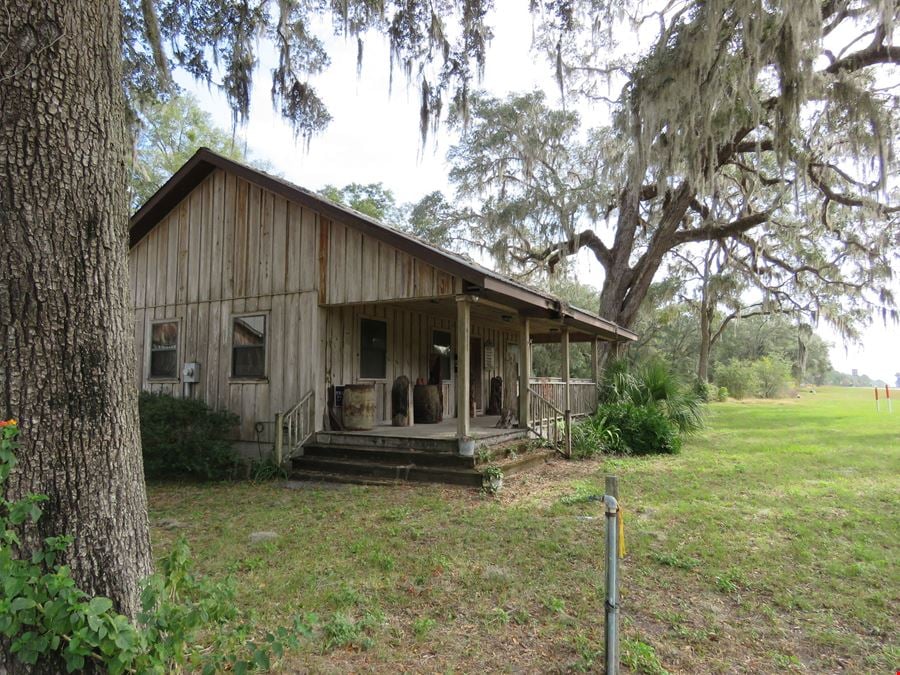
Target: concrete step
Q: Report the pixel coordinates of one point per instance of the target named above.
(386, 471)
(388, 455)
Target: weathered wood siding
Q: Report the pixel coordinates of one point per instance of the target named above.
(409, 337)
(355, 268)
(232, 248)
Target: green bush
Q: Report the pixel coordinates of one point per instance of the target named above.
(640, 429)
(591, 437)
(766, 377)
(183, 438)
(722, 394)
(738, 377)
(654, 384)
(772, 375)
(705, 391)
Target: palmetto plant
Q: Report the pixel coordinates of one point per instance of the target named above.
(653, 383)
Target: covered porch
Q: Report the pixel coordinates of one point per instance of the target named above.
(476, 347)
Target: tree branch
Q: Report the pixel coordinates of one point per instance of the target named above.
(732, 229)
(870, 56)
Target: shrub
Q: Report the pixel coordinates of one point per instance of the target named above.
(772, 375)
(591, 437)
(722, 394)
(183, 438)
(654, 384)
(738, 377)
(641, 429)
(705, 391)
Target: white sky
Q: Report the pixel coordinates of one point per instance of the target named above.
(374, 138)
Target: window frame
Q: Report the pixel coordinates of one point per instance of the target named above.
(387, 349)
(266, 341)
(150, 377)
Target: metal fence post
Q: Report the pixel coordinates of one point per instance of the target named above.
(611, 502)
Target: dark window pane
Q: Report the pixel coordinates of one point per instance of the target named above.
(373, 349)
(249, 362)
(248, 351)
(164, 363)
(164, 350)
(440, 354)
(164, 334)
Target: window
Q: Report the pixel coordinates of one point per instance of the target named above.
(372, 349)
(248, 347)
(164, 350)
(440, 356)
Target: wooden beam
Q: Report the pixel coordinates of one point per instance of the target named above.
(595, 360)
(568, 391)
(463, 337)
(566, 366)
(524, 373)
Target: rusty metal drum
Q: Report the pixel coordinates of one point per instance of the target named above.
(359, 407)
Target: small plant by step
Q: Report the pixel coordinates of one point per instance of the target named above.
(492, 480)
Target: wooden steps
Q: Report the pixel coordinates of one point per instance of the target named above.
(329, 462)
(402, 466)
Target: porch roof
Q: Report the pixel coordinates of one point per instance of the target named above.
(477, 280)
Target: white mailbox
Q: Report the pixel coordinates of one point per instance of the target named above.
(190, 373)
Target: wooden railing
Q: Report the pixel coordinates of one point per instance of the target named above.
(547, 421)
(293, 428)
(583, 394)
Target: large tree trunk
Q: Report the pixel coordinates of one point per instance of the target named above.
(67, 355)
(703, 358)
(706, 316)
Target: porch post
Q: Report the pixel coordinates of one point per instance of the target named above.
(595, 359)
(463, 334)
(564, 345)
(524, 374)
(568, 390)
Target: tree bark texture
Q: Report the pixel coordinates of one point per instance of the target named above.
(706, 311)
(66, 327)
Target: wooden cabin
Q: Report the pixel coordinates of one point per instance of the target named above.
(265, 299)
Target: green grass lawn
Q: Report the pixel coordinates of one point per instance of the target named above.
(769, 544)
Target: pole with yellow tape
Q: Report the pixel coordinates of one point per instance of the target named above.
(614, 541)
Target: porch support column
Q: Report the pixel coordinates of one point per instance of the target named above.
(463, 335)
(595, 360)
(568, 391)
(524, 374)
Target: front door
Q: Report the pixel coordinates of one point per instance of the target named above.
(475, 374)
(439, 367)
